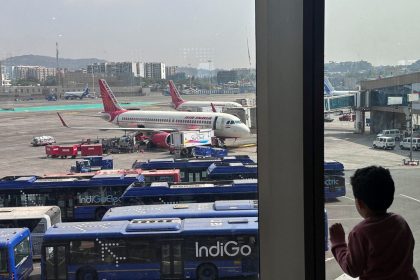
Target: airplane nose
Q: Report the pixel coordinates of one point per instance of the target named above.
(245, 130)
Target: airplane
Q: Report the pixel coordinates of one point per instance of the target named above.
(77, 94)
(159, 124)
(184, 105)
(329, 89)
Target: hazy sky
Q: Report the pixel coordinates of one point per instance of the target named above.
(182, 32)
(176, 32)
(382, 32)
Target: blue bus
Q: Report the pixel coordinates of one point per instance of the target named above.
(232, 170)
(217, 209)
(162, 192)
(334, 180)
(15, 253)
(192, 170)
(207, 248)
(78, 199)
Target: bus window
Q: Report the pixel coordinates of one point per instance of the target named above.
(3, 260)
(22, 251)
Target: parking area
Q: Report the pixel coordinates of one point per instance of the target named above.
(355, 151)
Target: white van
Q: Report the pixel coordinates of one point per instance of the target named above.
(405, 143)
(42, 140)
(395, 133)
(384, 143)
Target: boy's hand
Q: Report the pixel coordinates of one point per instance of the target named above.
(337, 234)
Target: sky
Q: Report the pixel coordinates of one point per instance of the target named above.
(383, 32)
(213, 33)
(198, 33)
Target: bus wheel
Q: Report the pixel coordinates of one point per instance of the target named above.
(99, 213)
(207, 271)
(87, 273)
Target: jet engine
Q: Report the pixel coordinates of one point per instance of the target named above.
(161, 140)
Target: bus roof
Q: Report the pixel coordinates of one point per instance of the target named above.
(165, 189)
(232, 167)
(12, 236)
(141, 227)
(35, 182)
(188, 163)
(222, 208)
(14, 213)
(333, 165)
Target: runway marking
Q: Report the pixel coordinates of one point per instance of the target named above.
(344, 277)
(410, 197)
(247, 145)
(329, 259)
(349, 198)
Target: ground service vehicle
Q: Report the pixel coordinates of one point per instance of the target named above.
(406, 143)
(383, 142)
(36, 218)
(162, 192)
(334, 180)
(192, 170)
(184, 141)
(15, 253)
(94, 163)
(231, 170)
(78, 199)
(42, 140)
(56, 151)
(217, 209)
(394, 133)
(152, 249)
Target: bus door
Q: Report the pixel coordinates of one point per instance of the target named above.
(172, 266)
(66, 203)
(55, 262)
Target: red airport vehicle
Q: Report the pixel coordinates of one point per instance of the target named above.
(91, 150)
(347, 117)
(56, 151)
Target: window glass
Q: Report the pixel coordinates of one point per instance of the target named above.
(3, 260)
(22, 251)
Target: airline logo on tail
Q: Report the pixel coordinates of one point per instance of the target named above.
(328, 88)
(176, 97)
(111, 105)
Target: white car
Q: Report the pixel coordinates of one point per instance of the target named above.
(42, 140)
(395, 133)
(405, 143)
(383, 142)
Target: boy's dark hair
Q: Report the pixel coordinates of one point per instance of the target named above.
(374, 186)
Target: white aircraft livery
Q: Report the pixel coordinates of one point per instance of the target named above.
(160, 123)
(183, 105)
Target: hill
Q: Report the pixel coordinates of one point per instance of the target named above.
(50, 62)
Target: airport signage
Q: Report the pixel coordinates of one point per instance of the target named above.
(230, 249)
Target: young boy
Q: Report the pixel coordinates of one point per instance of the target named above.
(381, 246)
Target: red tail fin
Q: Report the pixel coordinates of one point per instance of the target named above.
(213, 108)
(176, 97)
(108, 98)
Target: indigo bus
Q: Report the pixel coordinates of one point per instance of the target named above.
(167, 175)
(217, 209)
(334, 180)
(162, 192)
(231, 170)
(15, 253)
(207, 248)
(192, 170)
(36, 218)
(78, 199)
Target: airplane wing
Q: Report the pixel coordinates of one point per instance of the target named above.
(143, 129)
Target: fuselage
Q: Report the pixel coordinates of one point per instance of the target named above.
(189, 104)
(224, 125)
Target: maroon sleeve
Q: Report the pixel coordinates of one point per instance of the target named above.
(352, 258)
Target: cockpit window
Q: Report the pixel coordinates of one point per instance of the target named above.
(238, 122)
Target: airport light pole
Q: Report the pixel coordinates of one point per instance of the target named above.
(411, 99)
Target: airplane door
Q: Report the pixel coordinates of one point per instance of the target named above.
(218, 123)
